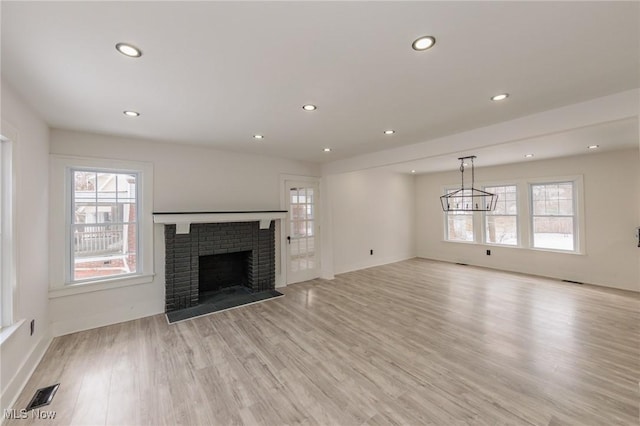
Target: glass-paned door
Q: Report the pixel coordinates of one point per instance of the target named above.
(303, 260)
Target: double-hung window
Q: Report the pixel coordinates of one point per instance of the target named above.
(103, 224)
(501, 224)
(543, 214)
(459, 225)
(553, 215)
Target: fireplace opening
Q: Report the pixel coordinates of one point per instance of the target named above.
(226, 272)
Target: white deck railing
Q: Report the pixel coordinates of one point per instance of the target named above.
(98, 242)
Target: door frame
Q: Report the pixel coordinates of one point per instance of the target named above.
(284, 265)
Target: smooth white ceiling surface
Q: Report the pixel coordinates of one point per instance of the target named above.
(621, 134)
(216, 73)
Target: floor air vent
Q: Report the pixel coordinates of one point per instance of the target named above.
(43, 397)
(572, 282)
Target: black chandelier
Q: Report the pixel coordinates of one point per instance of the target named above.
(468, 199)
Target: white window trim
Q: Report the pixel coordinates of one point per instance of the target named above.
(70, 264)
(8, 273)
(525, 214)
(60, 245)
(578, 213)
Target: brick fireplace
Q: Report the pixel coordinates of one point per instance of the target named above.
(205, 257)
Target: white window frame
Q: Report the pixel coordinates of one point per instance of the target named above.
(62, 282)
(474, 222)
(518, 214)
(7, 241)
(578, 213)
(69, 224)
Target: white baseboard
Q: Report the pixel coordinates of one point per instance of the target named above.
(17, 383)
(371, 263)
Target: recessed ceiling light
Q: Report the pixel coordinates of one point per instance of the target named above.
(593, 146)
(258, 136)
(389, 132)
(500, 97)
(128, 50)
(528, 155)
(309, 107)
(327, 149)
(413, 171)
(131, 113)
(423, 43)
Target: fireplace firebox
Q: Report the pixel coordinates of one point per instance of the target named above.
(218, 271)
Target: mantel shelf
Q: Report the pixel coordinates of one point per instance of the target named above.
(183, 220)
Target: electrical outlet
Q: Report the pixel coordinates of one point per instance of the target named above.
(488, 252)
(371, 252)
(33, 326)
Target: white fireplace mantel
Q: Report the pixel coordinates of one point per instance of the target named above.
(184, 220)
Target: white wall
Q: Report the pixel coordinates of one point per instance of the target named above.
(186, 178)
(21, 352)
(370, 209)
(611, 201)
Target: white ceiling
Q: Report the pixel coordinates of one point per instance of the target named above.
(215, 73)
(620, 134)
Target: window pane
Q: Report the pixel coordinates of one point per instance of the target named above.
(294, 248)
(502, 230)
(551, 207)
(552, 198)
(553, 216)
(553, 233)
(460, 227)
(565, 207)
(84, 213)
(539, 207)
(501, 224)
(507, 199)
(104, 250)
(103, 230)
(84, 181)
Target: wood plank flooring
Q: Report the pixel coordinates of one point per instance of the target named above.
(416, 342)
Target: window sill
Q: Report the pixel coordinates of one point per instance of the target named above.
(488, 245)
(471, 243)
(8, 331)
(108, 284)
(578, 253)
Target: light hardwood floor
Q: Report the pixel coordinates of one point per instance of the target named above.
(416, 342)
